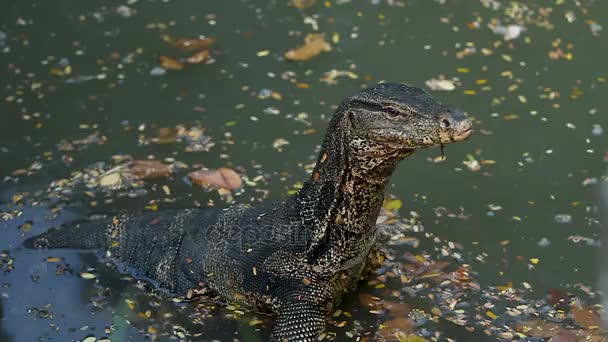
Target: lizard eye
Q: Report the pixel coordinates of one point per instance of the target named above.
(445, 123)
(392, 112)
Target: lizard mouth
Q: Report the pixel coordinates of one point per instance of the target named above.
(464, 134)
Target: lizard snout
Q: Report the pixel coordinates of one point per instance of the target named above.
(457, 125)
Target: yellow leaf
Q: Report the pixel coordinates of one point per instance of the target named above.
(394, 204)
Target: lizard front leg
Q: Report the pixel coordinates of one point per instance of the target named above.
(299, 321)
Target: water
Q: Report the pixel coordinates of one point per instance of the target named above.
(76, 68)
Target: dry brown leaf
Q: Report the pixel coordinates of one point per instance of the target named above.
(397, 309)
(585, 316)
(188, 44)
(150, 169)
(170, 63)
(222, 178)
(564, 336)
(396, 325)
(198, 57)
(303, 3)
(368, 300)
(166, 135)
(314, 44)
(539, 328)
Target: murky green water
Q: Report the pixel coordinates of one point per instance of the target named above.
(528, 216)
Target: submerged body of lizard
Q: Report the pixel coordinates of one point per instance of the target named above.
(297, 257)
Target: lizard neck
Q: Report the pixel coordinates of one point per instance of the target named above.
(346, 189)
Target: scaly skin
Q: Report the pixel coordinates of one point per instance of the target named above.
(297, 257)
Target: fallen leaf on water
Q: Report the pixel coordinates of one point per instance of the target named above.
(558, 297)
(188, 44)
(303, 3)
(396, 325)
(539, 328)
(331, 76)
(397, 309)
(314, 44)
(585, 316)
(87, 275)
(198, 57)
(110, 180)
(222, 178)
(441, 84)
(472, 163)
(414, 338)
(392, 204)
(150, 169)
(170, 63)
(26, 226)
(54, 259)
(166, 135)
(255, 322)
(368, 300)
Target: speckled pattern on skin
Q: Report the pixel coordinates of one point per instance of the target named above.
(297, 257)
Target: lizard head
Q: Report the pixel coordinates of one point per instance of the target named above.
(375, 128)
(391, 117)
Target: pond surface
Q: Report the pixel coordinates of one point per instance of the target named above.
(517, 203)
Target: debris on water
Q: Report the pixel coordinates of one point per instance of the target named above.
(472, 163)
(441, 84)
(586, 316)
(150, 169)
(170, 63)
(87, 275)
(595, 27)
(7, 263)
(125, 11)
(587, 240)
(158, 71)
(331, 76)
(279, 143)
(597, 130)
(563, 218)
(110, 180)
(303, 3)
(314, 44)
(544, 242)
(509, 32)
(222, 178)
(166, 135)
(198, 57)
(188, 44)
(590, 181)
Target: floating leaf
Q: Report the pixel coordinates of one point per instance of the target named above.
(188, 44)
(585, 316)
(314, 44)
(110, 180)
(170, 63)
(150, 169)
(222, 178)
(303, 3)
(198, 57)
(441, 84)
(393, 204)
(54, 259)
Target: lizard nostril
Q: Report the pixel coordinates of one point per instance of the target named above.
(445, 123)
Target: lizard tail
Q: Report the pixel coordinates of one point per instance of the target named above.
(85, 235)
